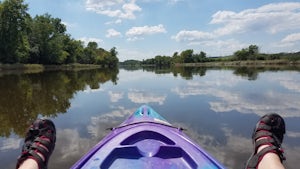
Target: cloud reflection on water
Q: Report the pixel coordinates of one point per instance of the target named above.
(290, 82)
(260, 103)
(10, 144)
(141, 97)
(115, 96)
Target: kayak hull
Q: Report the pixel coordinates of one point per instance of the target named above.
(146, 140)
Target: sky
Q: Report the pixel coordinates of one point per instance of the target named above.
(142, 29)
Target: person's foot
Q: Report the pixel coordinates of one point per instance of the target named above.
(39, 143)
(267, 138)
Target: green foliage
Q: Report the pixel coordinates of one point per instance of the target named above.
(187, 56)
(150, 61)
(241, 54)
(201, 57)
(43, 40)
(13, 26)
(250, 53)
(176, 58)
(47, 39)
(162, 60)
(131, 62)
(74, 49)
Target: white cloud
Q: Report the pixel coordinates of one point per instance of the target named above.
(100, 124)
(173, 2)
(193, 35)
(86, 40)
(72, 145)
(271, 18)
(135, 53)
(124, 9)
(291, 38)
(291, 82)
(10, 144)
(293, 134)
(145, 98)
(118, 21)
(220, 47)
(135, 33)
(113, 33)
(115, 96)
(270, 103)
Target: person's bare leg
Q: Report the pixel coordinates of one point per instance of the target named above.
(270, 160)
(29, 164)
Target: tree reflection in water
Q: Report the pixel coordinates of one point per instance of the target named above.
(24, 97)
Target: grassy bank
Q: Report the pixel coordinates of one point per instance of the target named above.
(39, 67)
(21, 67)
(75, 66)
(259, 63)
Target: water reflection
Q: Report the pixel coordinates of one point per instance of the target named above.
(24, 97)
(142, 97)
(251, 73)
(218, 107)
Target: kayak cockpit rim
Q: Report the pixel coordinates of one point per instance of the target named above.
(151, 122)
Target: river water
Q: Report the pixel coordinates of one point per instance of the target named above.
(218, 107)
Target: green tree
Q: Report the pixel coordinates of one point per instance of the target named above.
(253, 52)
(241, 54)
(201, 57)
(176, 58)
(74, 48)
(14, 46)
(187, 56)
(250, 53)
(47, 40)
(113, 59)
(90, 53)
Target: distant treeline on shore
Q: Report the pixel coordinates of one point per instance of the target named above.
(246, 56)
(43, 40)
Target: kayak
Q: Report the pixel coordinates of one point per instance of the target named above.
(145, 141)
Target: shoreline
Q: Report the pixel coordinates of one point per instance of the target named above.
(76, 66)
(247, 63)
(40, 67)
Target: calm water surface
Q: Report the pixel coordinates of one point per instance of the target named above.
(218, 107)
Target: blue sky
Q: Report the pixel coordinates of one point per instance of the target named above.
(141, 29)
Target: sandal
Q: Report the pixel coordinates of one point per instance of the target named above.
(270, 128)
(39, 140)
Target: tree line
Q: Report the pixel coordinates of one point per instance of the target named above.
(188, 56)
(43, 40)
